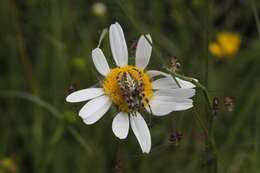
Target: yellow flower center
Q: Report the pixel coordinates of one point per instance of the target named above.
(129, 88)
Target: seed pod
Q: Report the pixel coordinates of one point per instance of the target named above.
(175, 137)
(174, 64)
(215, 105)
(72, 88)
(118, 167)
(229, 103)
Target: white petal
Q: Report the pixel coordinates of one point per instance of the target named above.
(95, 109)
(160, 108)
(163, 105)
(143, 52)
(141, 132)
(169, 98)
(154, 73)
(118, 44)
(84, 94)
(171, 83)
(120, 125)
(178, 92)
(100, 62)
(164, 83)
(185, 84)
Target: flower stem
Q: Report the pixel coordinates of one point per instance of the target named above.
(211, 148)
(195, 82)
(22, 47)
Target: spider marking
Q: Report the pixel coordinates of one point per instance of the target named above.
(132, 90)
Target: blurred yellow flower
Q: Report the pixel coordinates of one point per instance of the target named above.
(8, 165)
(226, 44)
(99, 9)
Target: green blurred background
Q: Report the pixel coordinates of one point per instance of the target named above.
(46, 46)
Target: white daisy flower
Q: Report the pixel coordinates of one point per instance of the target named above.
(131, 89)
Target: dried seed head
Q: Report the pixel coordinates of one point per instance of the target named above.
(216, 104)
(175, 137)
(119, 167)
(72, 88)
(229, 103)
(174, 64)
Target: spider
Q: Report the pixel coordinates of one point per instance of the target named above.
(132, 90)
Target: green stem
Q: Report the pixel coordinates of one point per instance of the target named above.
(209, 132)
(208, 135)
(257, 21)
(88, 148)
(22, 47)
(195, 82)
(256, 146)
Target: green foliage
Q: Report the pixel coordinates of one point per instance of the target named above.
(46, 46)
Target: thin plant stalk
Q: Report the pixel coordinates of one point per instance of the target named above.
(256, 145)
(210, 156)
(209, 133)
